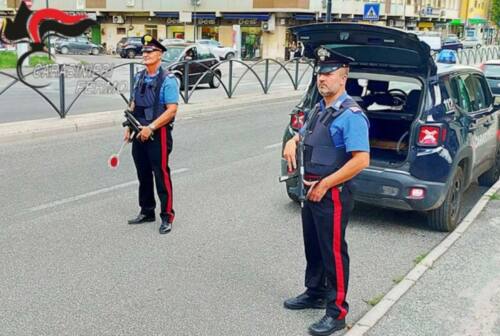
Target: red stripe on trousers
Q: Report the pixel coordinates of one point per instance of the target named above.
(337, 254)
(166, 177)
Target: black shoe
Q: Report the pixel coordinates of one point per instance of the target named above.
(165, 226)
(304, 301)
(142, 218)
(326, 326)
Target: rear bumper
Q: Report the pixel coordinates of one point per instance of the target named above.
(391, 189)
(388, 189)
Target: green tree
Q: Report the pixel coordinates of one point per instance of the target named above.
(495, 11)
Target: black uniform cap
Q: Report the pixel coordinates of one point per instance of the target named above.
(329, 60)
(149, 43)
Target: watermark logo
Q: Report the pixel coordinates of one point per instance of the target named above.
(35, 26)
(86, 75)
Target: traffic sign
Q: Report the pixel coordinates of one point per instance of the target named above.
(371, 11)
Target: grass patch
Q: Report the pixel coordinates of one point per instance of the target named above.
(35, 60)
(419, 258)
(376, 299)
(398, 279)
(495, 197)
(8, 59)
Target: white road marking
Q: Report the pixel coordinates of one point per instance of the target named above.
(93, 193)
(274, 145)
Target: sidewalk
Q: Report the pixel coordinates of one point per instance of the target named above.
(13, 131)
(459, 295)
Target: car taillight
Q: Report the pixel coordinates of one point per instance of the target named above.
(429, 136)
(481, 66)
(297, 120)
(416, 193)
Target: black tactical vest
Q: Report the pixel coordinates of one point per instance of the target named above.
(321, 156)
(147, 97)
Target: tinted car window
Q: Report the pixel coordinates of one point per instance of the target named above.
(204, 53)
(476, 93)
(485, 90)
(172, 54)
(459, 94)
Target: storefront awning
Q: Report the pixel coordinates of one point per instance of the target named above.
(246, 16)
(473, 21)
(456, 22)
(304, 17)
(205, 16)
(167, 14)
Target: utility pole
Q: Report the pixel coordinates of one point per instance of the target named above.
(195, 3)
(329, 11)
(404, 14)
(48, 38)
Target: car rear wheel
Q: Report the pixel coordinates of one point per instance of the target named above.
(64, 50)
(491, 176)
(214, 81)
(94, 51)
(445, 218)
(131, 54)
(230, 56)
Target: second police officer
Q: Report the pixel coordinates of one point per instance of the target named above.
(154, 104)
(336, 148)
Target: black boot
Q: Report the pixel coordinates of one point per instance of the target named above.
(326, 326)
(304, 301)
(142, 218)
(165, 226)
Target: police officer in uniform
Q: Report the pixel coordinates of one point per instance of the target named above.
(336, 148)
(154, 104)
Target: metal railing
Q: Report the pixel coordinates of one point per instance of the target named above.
(182, 72)
(477, 55)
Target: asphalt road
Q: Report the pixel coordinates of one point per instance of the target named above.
(72, 266)
(20, 102)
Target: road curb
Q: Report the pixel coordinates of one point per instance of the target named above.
(371, 318)
(14, 131)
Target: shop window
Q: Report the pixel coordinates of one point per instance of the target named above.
(121, 31)
(152, 30)
(96, 4)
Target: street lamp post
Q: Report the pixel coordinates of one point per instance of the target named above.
(195, 3)
(48, 38)
(329, 11)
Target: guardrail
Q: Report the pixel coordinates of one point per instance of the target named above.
(295, 75)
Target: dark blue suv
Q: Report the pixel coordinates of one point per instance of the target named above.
(433, 129)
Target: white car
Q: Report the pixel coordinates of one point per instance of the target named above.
(166, 42)
(218, 49)
(471, 42)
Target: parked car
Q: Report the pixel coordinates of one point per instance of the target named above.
(166, 42)
(491, 71)
(433, 130)
(129, 47)
(77, 45)
(202, 59)
(452, 43)
(218, 49)
(471, 42)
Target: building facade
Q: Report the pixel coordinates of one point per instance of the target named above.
(262, 24)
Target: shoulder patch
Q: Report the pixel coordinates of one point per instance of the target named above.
(355, 109)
